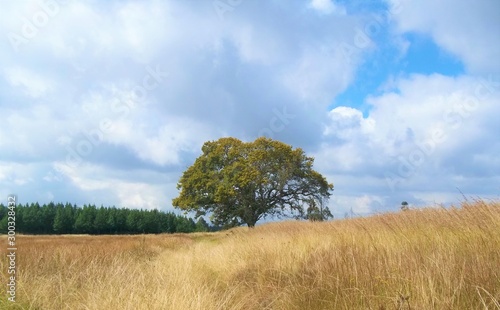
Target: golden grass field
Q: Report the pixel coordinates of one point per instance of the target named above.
(431, 259)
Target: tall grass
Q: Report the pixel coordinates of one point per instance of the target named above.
(433, 258)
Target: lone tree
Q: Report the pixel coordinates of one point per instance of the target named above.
(404, 206)
(240, 183)
(315, 213)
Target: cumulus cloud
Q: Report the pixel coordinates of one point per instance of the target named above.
(467, 30)
(31, 84)
(446, 131)
(133, 189)
(327, 7)
(122, 85)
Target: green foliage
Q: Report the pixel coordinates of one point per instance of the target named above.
(67, 219)
(185, 225)
(240, 183)
(84, 223)
(315, 213)
(202, 225)
(101, 221)
(404, 206)
(135, 221)
(64, 219)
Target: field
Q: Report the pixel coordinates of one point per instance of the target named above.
(435, 258)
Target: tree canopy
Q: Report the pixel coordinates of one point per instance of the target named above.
(240, 183)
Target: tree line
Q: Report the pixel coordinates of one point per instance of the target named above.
(58, 218)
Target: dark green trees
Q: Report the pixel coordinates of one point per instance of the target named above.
(84, 223)
(202, 225)
(69, 219)
(64, 219)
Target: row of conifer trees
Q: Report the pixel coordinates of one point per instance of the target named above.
(59, 218)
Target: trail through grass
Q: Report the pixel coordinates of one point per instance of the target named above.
(433, 258)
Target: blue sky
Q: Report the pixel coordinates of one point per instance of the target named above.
(108, 102)
(423, 56)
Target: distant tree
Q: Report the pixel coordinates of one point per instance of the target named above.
(315, 213)
(64, 219)
(101, 221)
(168, 223)
(32, 216)
(404, 206)
(3, 210)
(134, 222)
(111, 221)
(121, 216)
(20, 211)
(151, 221)
(58, 225)
(84, 223)
(240, 183)
(3, 218)
(185, 225)
(202, 225)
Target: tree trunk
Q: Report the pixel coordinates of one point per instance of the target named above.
(251, 224)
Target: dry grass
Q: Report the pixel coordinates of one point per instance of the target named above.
(429, 259)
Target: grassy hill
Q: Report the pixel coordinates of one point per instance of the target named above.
(419, 259)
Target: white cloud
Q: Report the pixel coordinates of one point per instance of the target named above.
(31, 83)
(468, 30)
(327, 7)
(344, 205)
(121, 188)
(345, 120)
(411, 136)
(13, 175)
(177, 136)
(314, 76)
(143, 195)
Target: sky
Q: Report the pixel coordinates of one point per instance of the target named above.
(108, 102)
